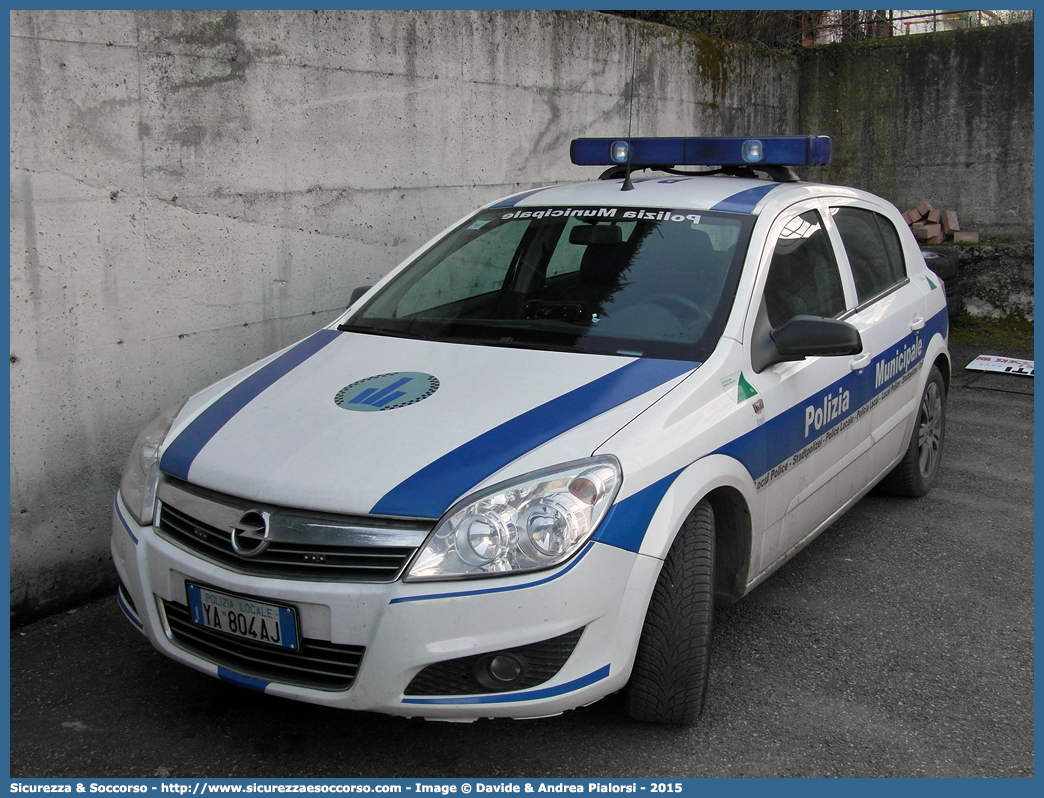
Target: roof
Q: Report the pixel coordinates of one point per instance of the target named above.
(717, 193)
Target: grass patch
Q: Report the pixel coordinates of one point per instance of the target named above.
(1013, 332)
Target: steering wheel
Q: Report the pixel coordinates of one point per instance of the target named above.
(691, 313)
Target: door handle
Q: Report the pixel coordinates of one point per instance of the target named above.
(917, 323)
(860, 361)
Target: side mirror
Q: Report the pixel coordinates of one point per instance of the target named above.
(801, 337)
(808, 336)
(358, 292)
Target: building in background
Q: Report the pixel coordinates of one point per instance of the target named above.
(829, 27)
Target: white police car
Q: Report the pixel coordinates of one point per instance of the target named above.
(515, 476)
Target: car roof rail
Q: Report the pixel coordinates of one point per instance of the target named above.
(780, 174)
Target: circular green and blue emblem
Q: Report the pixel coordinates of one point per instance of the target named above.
(387, 391)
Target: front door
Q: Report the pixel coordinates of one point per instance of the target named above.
(812, 439)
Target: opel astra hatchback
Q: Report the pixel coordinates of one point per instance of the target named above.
(519, 472)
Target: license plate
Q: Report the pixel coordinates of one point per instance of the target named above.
(243, 617)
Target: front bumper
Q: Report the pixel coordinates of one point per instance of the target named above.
(405, 627)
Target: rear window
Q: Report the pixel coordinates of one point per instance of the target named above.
(873, 249)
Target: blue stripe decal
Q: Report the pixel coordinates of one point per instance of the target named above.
(129, 612)
(511, 202)
(508, 698)
(249, 682)
(764, 448)
(177, 459)
(119, 514)
(431, 491)
(627, 522)
(505, 589)
(744, 201)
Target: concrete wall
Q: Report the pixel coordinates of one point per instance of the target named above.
(945, 117)
(193, 190)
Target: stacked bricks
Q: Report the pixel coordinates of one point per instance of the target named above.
(934, 227)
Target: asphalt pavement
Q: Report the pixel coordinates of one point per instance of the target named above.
(899, 643)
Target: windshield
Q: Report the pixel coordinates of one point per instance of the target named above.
(652, 283)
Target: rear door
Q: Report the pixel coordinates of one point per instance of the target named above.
(890, 314)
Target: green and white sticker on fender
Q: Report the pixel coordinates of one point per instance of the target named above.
(736, 386)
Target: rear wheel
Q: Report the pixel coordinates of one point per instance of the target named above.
(919, 468)
(669, 680)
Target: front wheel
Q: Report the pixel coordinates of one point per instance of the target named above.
(669, 679)
(917, 471)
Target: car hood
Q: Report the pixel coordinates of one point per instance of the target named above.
(356, 423)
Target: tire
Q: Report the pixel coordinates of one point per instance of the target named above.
(919, 468)
(669, 680)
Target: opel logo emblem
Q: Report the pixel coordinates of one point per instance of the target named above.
(250, 534)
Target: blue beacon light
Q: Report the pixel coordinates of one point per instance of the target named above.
(640, 153)
(753, 151)
(620, 153)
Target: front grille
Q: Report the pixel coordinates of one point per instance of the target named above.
(457, 676)
(319, 664)
(287, 560)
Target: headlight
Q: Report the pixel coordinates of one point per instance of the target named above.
(141, 474)
(534, 522)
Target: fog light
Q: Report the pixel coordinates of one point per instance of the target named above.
(505, 669)
(500, 671)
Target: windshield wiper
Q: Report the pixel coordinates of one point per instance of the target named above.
(513, 343)
(391, 332)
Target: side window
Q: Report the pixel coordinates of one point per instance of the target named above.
(478, 267)
(873, 250)
(803, 277)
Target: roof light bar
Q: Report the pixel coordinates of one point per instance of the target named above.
(704, 151)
